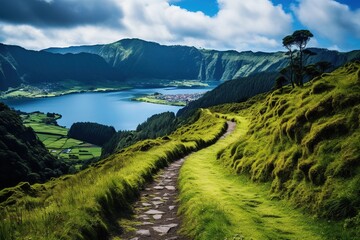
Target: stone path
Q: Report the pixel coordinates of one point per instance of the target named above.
(156, 211)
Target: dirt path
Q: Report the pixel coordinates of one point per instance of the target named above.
(156, 211)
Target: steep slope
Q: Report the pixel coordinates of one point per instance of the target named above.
(139, 59)
(22, 156)
(86, 205)
(232, 91)
(19, 65)
(305, 142)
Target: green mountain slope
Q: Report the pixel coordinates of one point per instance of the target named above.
(138, 59)
(18, 65)
(22, 156)
(306, 143)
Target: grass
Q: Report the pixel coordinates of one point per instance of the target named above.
(217, 203)
(155, 100)
(56, 141)
(304, 143)
(86, 205)
(66, 87)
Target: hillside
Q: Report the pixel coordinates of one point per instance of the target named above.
(23, 158)
(18, 65)
(138, 59)
(305, 142)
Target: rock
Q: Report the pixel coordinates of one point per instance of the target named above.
(158, 187)
(172, 238)
(143, 232)
(153, 212)
(147, 223)
(170, 188)
(135, 238)
(144, 217)
(157, 202)
(164, 229)
(146, 204)
(171, 207)
(157, 216)
(157, 199)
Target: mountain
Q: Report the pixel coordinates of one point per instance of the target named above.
(138, 59)
(18, 65)
(22, 156)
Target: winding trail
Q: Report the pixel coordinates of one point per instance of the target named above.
(156, 210)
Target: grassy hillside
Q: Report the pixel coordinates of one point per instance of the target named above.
(22, 156)
(305, 143)
(86, 205)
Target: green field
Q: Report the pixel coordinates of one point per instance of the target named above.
(56, 141)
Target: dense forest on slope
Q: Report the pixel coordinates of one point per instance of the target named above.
(22, 156)
(94, 133)
(305, 141)
(232, 91)
(158, 125)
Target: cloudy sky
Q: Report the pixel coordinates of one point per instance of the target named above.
(257, 25)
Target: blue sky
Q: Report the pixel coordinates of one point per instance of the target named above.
(257, 25)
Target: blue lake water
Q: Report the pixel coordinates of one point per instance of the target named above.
(111, 108)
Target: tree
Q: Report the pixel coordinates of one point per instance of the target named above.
(288, 42)
(301, 39)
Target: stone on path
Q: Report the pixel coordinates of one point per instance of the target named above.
(143, 232)
(157, 202)
(157, 216)
(146, 204)
(158, 187)
(171, 208)
(154, 212)
(170, 188)
(164, 229)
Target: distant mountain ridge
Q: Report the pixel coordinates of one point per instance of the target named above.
(135, 60)
(142, 59)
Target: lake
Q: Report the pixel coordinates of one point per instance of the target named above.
(110, 108)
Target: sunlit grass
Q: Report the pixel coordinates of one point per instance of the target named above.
(84, 206)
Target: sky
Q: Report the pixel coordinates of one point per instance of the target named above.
(242, 25)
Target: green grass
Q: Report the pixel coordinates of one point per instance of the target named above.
(86, 205)
(304, 142)
(219, 204)
(66, 87)
(56, 141)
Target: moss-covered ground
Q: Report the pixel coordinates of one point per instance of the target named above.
(303, 144)
(217, 203)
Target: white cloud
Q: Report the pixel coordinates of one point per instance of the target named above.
(242, 25)
(330, 19)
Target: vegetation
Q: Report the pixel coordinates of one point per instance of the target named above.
(85, 205)
(299, 38)
(158, 125)
(94, 133)
(75, 153)
(232, 91)
(219, 204)
(22, 156)
(304, 141)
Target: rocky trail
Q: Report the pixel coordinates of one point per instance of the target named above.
(156, 210)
